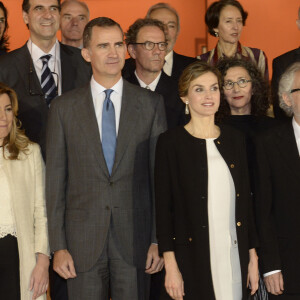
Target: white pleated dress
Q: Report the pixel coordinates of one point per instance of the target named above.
(224, 256)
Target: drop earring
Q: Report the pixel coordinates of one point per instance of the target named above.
(216, 34)
(187, 111)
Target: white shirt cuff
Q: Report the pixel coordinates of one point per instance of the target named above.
(271, 273)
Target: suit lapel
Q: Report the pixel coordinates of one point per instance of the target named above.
(67, 69)
(27, 72)
(85, 112)
(287, 146)
(128, 119)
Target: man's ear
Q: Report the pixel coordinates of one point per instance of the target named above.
(287, 100)
(86, 54)
(25, 17)
(131, 51)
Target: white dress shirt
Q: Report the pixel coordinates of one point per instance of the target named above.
(152, 85)
(296, 128)
(168, 63)
(54, 63)
(98, 95)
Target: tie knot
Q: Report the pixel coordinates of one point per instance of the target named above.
(45, 58)
(108, 93)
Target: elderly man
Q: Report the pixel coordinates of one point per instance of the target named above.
(280, 64)
(101, 143)
(74, 16)
(147, 45)
(174, 63)
(278, 195)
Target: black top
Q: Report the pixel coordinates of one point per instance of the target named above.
(181, 190)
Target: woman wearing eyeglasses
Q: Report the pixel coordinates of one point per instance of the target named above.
(244, 105)
(225, 20)
(204, 218)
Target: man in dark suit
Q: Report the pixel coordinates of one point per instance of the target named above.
(146, 42)
(278, 195)
(101, 142)
(22, 69)
(280, 64)
(174, 63)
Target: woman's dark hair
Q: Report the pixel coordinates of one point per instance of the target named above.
(260, 92)
(4, 39)
(212, 15)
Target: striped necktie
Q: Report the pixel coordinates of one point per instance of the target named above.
(47, 81)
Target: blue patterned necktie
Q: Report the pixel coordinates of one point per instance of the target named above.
(109, 136)
(47, 81)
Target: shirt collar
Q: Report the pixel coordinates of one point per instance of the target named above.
(37, 52)
(152, 85)
(296, 128)
(98, 88)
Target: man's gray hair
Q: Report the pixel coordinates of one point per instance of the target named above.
(166, 6)
(285, 86)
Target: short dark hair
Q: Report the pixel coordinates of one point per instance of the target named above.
(212, 15)
(4, 38)
(259, 99)
(26, 5)
(99, 22)
(134, 29)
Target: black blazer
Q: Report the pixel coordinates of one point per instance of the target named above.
(181, 175)
(17, 71)
(280, 64)
(174, 107)
(278, 204)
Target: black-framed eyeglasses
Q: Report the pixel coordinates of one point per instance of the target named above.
(294, 90)
(243, 82)
(162, 46)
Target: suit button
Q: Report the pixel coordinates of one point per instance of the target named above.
(218, 142)
(237, 194)
(203, 226)
(111, 183)
(174, 238)
(239, 224)
(107, 207)
(232, 166)
(190, 239)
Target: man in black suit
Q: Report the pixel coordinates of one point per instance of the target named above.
(22, 69)
(280, 64)
(174, 63)
(278, 195)
(147, 45)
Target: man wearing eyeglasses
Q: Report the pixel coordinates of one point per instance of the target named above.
(43, 68)
(278, 195)
(147, 45)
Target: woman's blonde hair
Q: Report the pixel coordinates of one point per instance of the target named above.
(16, 141)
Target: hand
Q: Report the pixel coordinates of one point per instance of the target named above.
(154, 262)
(63, 264)
(274, 283)
(253, 274)
(174, 283)
(40, 276)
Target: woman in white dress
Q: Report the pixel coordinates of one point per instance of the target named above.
(205, 225)
(24, 249)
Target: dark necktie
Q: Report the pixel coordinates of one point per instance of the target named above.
(47, 81)
(109, 137)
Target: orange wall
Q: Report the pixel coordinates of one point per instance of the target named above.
(124, 12)
(270, 26)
